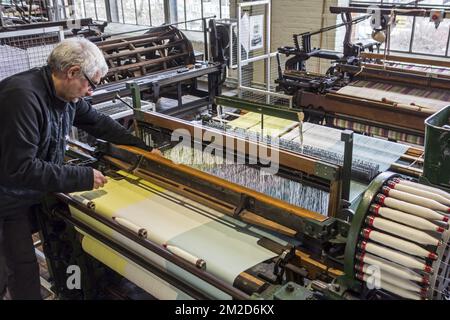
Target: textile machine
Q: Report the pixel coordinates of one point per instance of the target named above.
(367, 88)
(162, 65)
(210, 220)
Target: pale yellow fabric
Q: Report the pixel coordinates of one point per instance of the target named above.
(172, 219)
(273, 126)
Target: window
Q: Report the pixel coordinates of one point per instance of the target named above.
(95, 9)
(151, 12)
(140, 12)
(401, 34)
(428, 39)
(197, 9)
(415, 35)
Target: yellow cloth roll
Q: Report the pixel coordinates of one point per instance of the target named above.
(130, 270)
(273, 126)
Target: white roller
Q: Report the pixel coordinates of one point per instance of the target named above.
(412, 198)
(186, 256)
(142, 232)
(396, 243)
(391, 267)
(423, 187)
(405, 218)
(402, 231)
(395, 256)
(410, 208)
(419, 192)
(389, 287)
(385, 276)
(87, 203)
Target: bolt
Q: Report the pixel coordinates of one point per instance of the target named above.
(290, 288)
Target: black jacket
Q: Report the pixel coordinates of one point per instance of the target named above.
(34, 124)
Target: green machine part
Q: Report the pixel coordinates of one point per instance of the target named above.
(349, 279)
(436, 169)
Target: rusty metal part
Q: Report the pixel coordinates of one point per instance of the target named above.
(159, 49)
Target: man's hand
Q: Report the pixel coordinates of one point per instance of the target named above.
(157, 152)
(99, 179)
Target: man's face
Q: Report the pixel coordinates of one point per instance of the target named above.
(77, 84)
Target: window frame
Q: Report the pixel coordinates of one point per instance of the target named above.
(121, 13)
(413, 27)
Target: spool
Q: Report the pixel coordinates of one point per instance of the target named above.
(85, 202)
(413, 259)
(141, 232)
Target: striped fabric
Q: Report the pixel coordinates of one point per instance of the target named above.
(381, 132)
(426, 69)
(432, 99)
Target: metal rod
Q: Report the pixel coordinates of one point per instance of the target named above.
(347, 137)
(123, 14)
(149, 12)
(185, 15)
(239, 53)
(95, 9)
(205, 38)
(135, 12)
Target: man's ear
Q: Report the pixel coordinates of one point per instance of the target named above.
(73, 72)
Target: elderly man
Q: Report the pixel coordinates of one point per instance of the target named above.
(38, 109)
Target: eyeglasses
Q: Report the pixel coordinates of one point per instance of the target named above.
(91, 83)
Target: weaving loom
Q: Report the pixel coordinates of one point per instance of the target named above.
(187, 229)
(370, 93)
(211, 220)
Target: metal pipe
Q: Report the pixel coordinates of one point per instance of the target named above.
(347, 137)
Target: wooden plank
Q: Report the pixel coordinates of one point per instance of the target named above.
(413, 60)
(309, 263)
(407, 169)
(411, 158)
(378, 113)
(251, 278)
(419, 72)
(415, 151)
(252, 218)
(335, 198)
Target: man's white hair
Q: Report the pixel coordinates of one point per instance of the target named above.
(78, 52)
